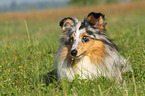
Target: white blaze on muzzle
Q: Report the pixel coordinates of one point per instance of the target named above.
(77, 34)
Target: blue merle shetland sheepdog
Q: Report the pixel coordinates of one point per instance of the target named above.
(86, 50)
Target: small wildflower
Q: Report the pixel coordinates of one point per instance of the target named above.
(24, 77)
(6, 62)
(121, 35)
(9, 64)
(0, 66)
(0, 77)
(8, 70)
(31, 62)
(20, 66)
(12, 61)
(8, 57)
(132, 55)
(25, 64)
(15, 57)
(137, 52)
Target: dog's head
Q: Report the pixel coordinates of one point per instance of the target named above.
(81, 34)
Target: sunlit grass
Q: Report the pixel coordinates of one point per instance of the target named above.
(24, 58)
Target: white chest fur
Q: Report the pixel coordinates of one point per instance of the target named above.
(110, 67)
(84, 68)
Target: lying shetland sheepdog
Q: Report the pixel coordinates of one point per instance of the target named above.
(86, 50)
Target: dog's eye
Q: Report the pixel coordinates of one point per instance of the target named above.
(71, 40)
(85, 39)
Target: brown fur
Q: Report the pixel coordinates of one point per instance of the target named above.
(73, 36)
(65, 52)
(93, 48)
(96, 22)
(67, 22)
(96, 51)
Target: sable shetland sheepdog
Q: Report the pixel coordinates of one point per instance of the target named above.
(86, 50)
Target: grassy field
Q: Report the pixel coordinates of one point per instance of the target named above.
(28, 42)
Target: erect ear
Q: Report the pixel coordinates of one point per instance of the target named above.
(96, 20)
(66, 22)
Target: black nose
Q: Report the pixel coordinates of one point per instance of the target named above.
(74, 52)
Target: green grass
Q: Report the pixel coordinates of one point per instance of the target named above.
(27, 54)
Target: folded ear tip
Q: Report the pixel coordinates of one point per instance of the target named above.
(91, 13)
(96, 15)
(63, 20)
(101, 14)
(61, 23)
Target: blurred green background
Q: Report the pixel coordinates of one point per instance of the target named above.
(29, 33)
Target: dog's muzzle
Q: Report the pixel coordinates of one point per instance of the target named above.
(74, 52)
